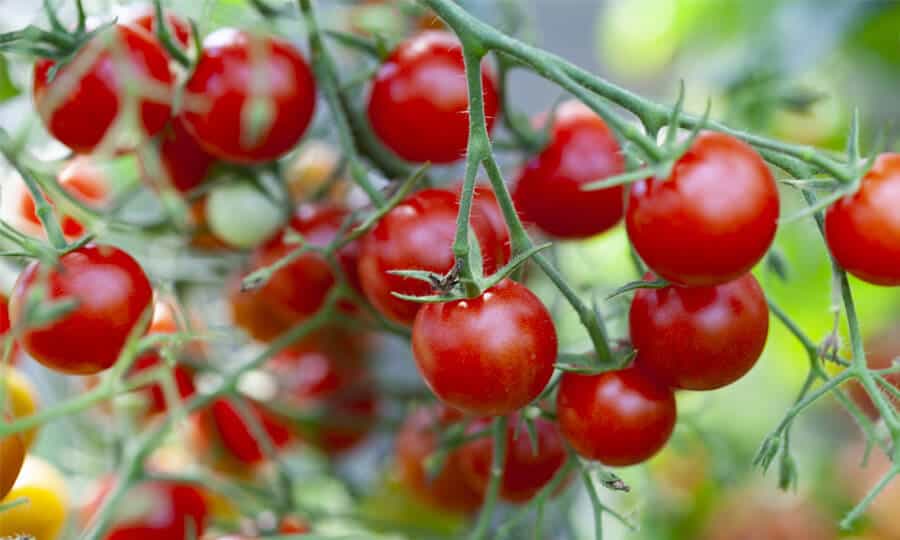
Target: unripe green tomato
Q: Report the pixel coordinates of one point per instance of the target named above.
(241, 215)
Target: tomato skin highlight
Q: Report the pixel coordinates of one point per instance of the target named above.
(711, 220)
(700, 338)
(488, 355)
(112, 293)
(222, 86)
(618, 418)
(81, 118)
(582, 149)
(862, 229)
(418, 104)
(417, 235)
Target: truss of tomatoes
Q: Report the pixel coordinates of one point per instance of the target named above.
(701, 229)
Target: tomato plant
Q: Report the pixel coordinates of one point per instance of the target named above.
(241, 216)
(46, 505)
(19, 400)
(221, 433)
(418, 103)
(179, 161)
(144, 16)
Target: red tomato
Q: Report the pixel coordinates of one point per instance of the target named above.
(300, 288)
(881, 349)
(80, 104)
(82, 179)
(419, 101)
(112, 293)
(582, 149)
(711, 220)
(4, 330)
(862, 229)
(526, 469)
(418, 439)
(156, 510)
(488, 355)
(337, 389)
(618, 418)
(144, 15)
(417, 235)
(179, 160)
(221, 427)
(700, 338)
(222, 93)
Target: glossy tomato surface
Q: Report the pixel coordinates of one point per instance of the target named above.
(80, 103)
(488, 355)
(111, 292)
(419, 101)
(618, 418)
(711, 220)
(527, 467)
(417, 235)
(250, 97)
(582, 149)
(700, 338)
(222, 424)
(863, 228)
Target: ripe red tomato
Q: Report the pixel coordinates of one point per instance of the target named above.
(179, 161)
(488, 355)
(112, 293)
(526, 468)
(711, 220)
(881, 349)
(222, 94)
(144, 15)
(417, 235)
(81, 103)
(862, 229)
(582, 149)
(4, 330)
(618, 418)
(419, 101)
(157, 510)
(81, 178)
(221, 432)
(418, 439)
(336, 388)
(700, 338)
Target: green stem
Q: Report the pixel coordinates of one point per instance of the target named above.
(493, 490)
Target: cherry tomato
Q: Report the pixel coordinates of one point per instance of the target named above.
(80, 103)
(201, 237)
(881, 349)
(336, 391)
(157, 510)
(221, 430)
(700, 338)
(250, 98)
(309, 173)
(419, 101)
(111, 292)
(84, 181)
(618, 418)
(178, 161)
(417, 235)
(711, 220)
(19, 401)
(527, 468)
(254, 314)
(242, 216)
(12, 456)
(46, 505)
(4, 324)
(862, 230)
(582, 149)
(488, 355)
(417, 440)
(144, 15)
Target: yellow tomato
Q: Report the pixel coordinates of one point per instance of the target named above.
(19, 400)
(47, 502)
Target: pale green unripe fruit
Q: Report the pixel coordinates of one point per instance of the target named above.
(242, 216)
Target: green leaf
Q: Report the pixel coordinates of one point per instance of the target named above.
(8, 90)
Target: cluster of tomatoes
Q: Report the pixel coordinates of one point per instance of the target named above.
(699, 322)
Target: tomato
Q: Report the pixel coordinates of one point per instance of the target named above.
(144, 15)
(178, 161)
(238, 73)
(12, 456)
(201, 237)
(220, 431)
(700, 338)
(311, 169)
(19, 401)
(881, 349)
(417, 235)
(253, 313)
(862, 229)
(711, 220)
(112, 293)
(582, 149)
(47, 502)
(859, 471)
(419, 103)
(240, 215)
(417, 440)
(618, 418)
(5, 326)
(336, 392)
(526, 468)
(81, 103)
(155, 510)
(488, 355)
(82, 179)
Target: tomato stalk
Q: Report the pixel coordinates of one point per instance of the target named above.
(493, 489)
